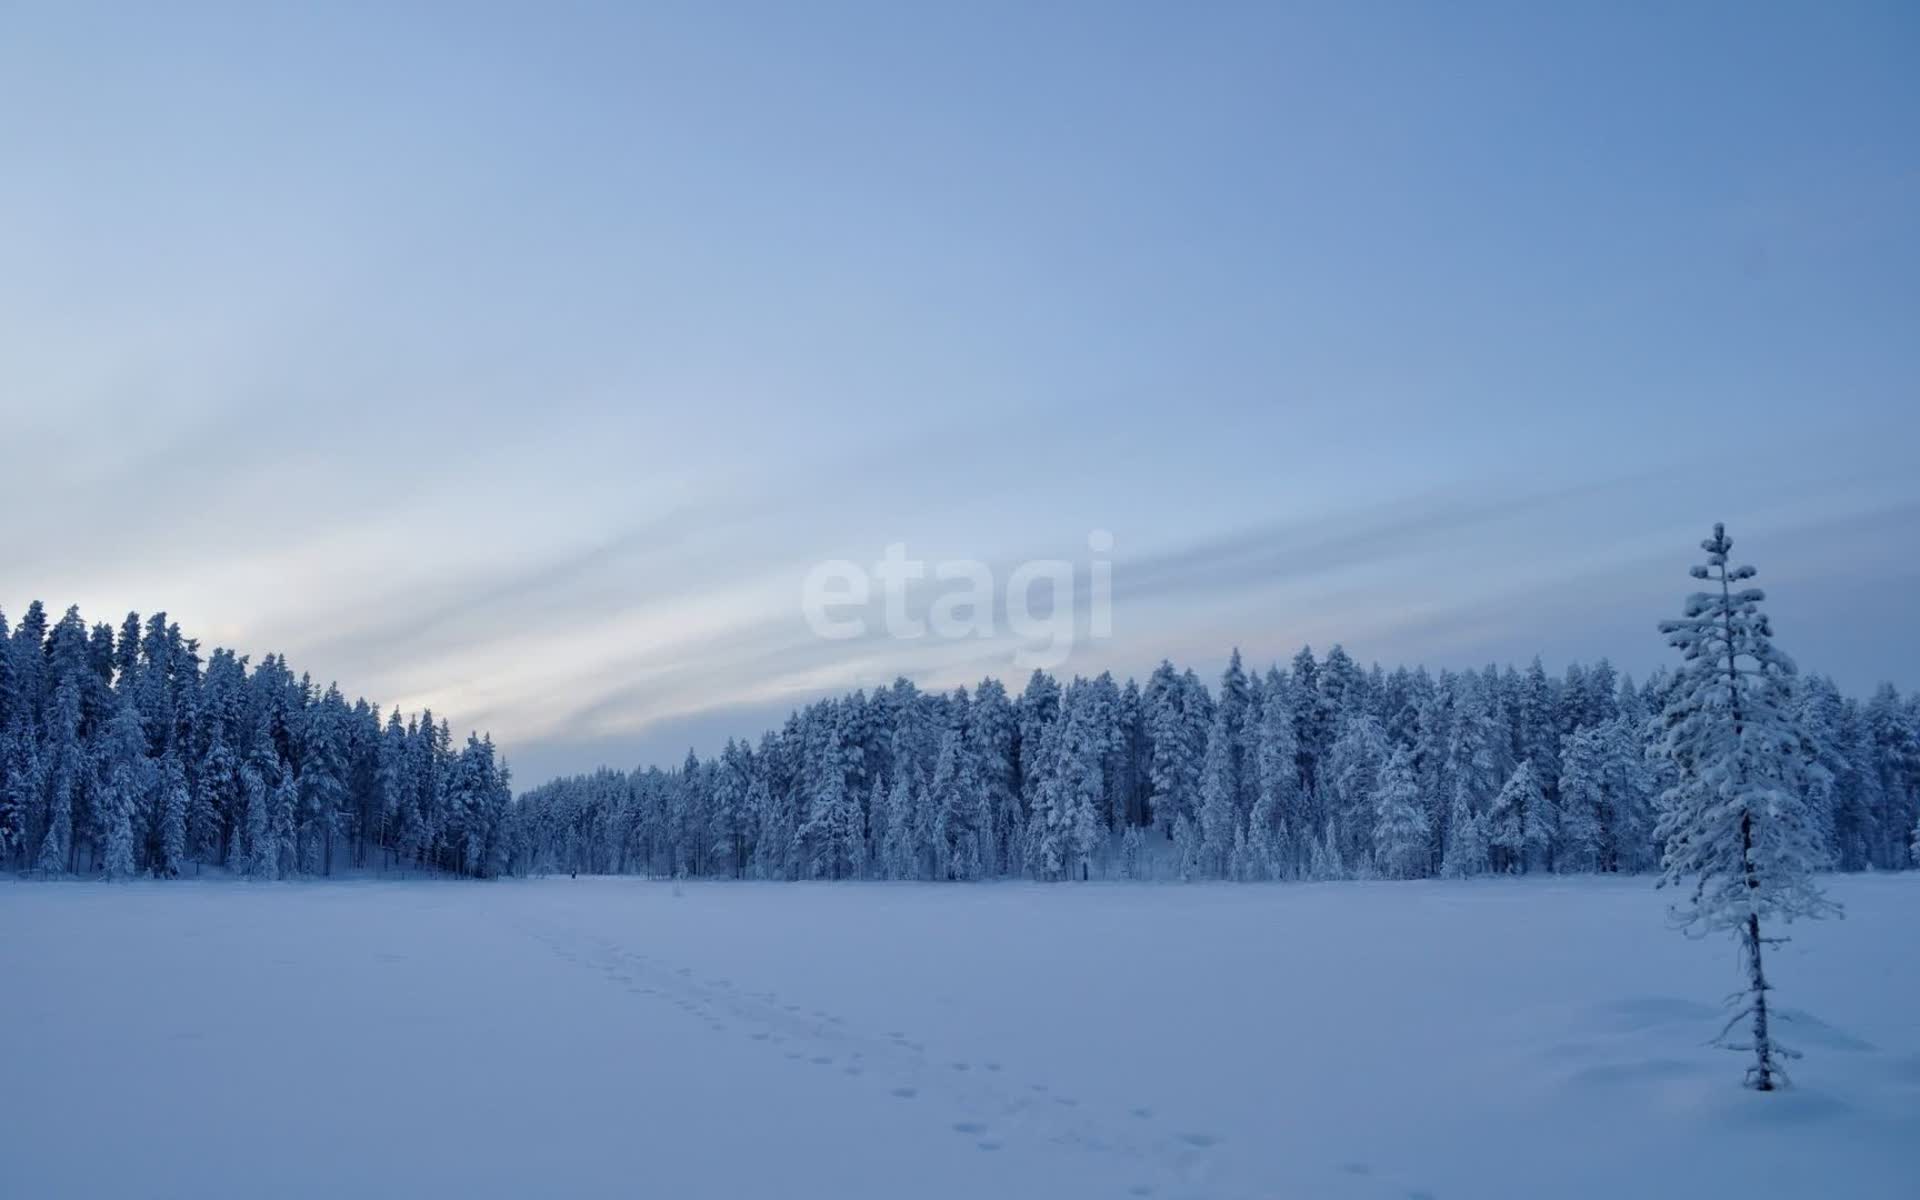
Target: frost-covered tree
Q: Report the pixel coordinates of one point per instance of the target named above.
(833, 829)
(992, 735)
(1065, 820)
(899, 853)
(1174, 757)
(1232, 713)
(1220, 828)
(1349, 781)
(1325, 860)
(1520, 824)
(260, 778)
(954, 791)
(1126, 769)
(1585, 762)
(1735, 826)
(774, 802)
(1399, 820)
(1278, 805)
(1037, 709)
(1473, 771)
(25, 790)
(1894, 747)
(175, 804)
(125, 776)
(1536, 726)
(1466, 843)
(1133, 851)
(64, 768)
(731, 820)
(1627, 838)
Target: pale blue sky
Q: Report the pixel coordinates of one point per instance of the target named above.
(520, 359)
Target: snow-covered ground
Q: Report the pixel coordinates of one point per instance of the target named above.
(1462, 1041)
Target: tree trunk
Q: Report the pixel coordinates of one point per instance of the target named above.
(1756, 973)
(1757, 982)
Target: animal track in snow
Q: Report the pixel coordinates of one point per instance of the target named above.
(969, 1096)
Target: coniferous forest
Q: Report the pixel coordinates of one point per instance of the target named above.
(129, 753)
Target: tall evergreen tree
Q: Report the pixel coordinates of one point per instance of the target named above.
(1399, 820)
(1520, 825)
(126, 776)
(1736, 829)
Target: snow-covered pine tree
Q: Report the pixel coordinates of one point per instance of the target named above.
(1085, 749)
(1036, 710)
(284, 807)
(1473, 770)
(323, 782)
(1326, 861)
(1349, 778)
(899, 858)
(1399, 820)
(991, 737)
(768, 861)
(955, 793)
(775, 805)
(1100, 722)
(175, 802)
(1519, 825)
(1585, 803)
(260, 777)
(1629, 836)
(392, 785)
(126, 778)
(833, 815)
(1060, 831)
(26, 791)
(729, 832)
(1278, 803)
(1127, 760)
(1313, 723)
(1218, 822)
(64, 767)
(1172, 771)
(1735, 825)
(1233, 713)
(1466, 843)
(1536, 726)
(1838, 790)
(212, 799)
(1895, 750)
(1133, 851)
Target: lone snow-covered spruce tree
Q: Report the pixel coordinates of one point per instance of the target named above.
(1735, 825)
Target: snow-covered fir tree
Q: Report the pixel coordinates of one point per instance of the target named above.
(1278, 809)
(1736, 828)
(1520, 825)
(1466, 854)
(1399, 820)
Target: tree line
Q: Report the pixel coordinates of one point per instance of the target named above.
(1317, 770)
(125, 753)
(128, 754)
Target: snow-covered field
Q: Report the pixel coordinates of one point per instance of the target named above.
(1463, 1041)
